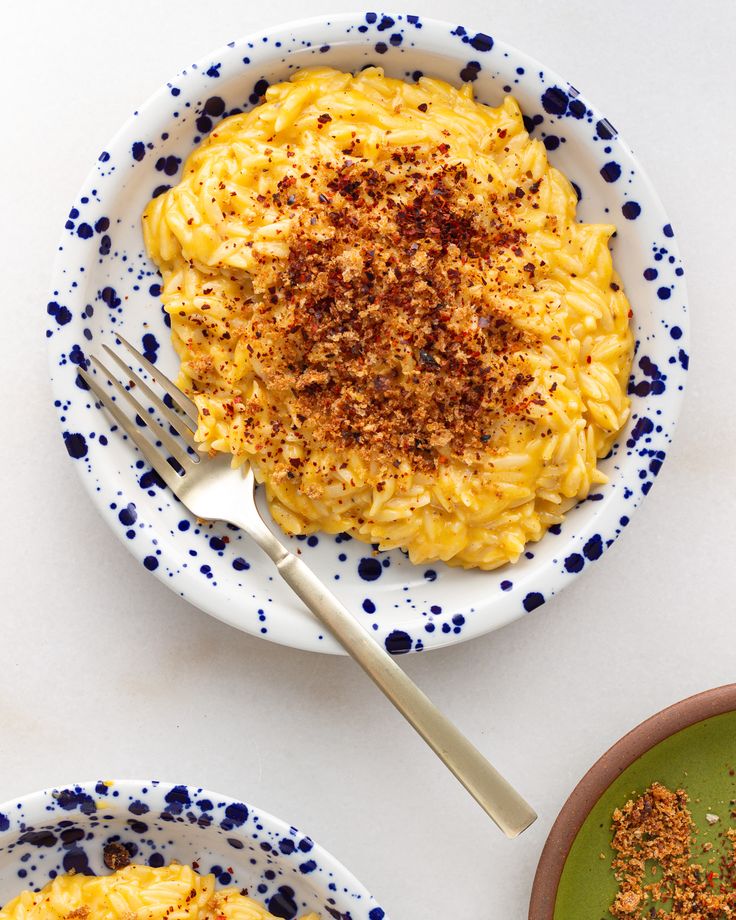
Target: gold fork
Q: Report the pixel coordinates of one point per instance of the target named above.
(210, 488)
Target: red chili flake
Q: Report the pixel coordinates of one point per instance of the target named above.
(588, 360)
(502, 133)
(422, 106)
(324, 118)
(614, 286)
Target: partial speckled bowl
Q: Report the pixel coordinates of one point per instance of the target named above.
(66, 829)
(104, 283)
(689, 745)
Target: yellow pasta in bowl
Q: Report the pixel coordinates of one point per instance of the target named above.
(382, 299)
(136, 892)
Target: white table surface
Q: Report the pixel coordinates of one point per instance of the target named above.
(105, 673)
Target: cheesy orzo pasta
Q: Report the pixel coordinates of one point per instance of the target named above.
(174, 892)
(381, 298)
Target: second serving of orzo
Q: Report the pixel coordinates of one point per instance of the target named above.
(383, 301)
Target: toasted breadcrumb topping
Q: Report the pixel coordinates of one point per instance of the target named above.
(653, 841)
(370, 325)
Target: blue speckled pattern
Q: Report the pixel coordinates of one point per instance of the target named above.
(104, 283)
(66, 829)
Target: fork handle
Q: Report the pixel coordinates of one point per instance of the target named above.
(494, 794)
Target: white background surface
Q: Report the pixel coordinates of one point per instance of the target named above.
(105, 673)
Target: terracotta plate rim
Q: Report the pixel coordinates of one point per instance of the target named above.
(602, 774)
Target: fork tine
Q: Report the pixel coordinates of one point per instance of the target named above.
(173, 418)
(155, 459)
(180, 400)
(178, 452)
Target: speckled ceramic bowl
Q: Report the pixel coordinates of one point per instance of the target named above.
(66, 829)
(105, 283)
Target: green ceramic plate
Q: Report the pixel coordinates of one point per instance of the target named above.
(699, 759)
(692, 746)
